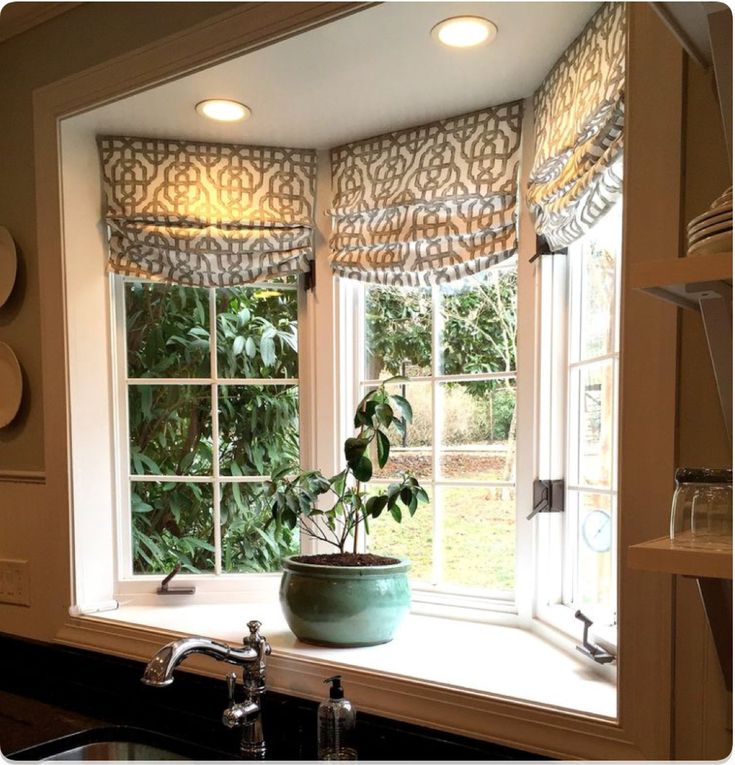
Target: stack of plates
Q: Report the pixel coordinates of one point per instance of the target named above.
(712, 231)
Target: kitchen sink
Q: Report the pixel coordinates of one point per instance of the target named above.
(120, 743)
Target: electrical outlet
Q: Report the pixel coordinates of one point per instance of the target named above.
(15, 585)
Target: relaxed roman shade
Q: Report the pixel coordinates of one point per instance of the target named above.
(428, 204)
(207, 214)
(578, 111)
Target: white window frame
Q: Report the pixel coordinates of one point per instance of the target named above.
(216, 582)
(556, 533)
(475, 604)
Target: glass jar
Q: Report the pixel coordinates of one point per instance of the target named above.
(701, 513)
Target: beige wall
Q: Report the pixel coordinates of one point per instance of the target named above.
(86, 35)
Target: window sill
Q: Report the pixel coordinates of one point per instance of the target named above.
(492, 682)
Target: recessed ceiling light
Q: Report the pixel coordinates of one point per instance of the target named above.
(223, 110)
(464, 31)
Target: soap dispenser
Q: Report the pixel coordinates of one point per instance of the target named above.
(336, 720)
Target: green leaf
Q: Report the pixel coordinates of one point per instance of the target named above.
(395, 379)
(250, 349)
(363, 470)
(267, 350)
(404, 406)
(421, 495)
(406, 496)
(238, 345)
(395, 511)
(383, 444)
(384, 414)
(376, 505)
(355, 449)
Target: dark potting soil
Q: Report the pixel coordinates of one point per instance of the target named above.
(347, 559)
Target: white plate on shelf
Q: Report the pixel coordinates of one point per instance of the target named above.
(717, 243)
(8, 264)
(11, 385)
(706, 216)
(705, 233)
(721, 218)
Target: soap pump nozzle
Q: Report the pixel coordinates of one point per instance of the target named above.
(336, 691)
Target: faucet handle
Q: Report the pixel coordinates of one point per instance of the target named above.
(231, 685)
(256, 640)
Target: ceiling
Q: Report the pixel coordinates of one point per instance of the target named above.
(371, 72)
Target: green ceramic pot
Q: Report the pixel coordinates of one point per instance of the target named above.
(343, 605)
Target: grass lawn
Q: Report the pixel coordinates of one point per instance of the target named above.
(477, 536)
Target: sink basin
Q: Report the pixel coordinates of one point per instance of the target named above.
(118, 743)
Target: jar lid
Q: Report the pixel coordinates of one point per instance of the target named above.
(703, 475)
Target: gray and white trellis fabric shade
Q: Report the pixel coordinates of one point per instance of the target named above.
(428, 204)
(207, 214)
(577, 169)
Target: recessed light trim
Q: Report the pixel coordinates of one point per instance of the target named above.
(464, 31)
(223, 110)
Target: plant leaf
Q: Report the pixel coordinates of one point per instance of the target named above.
(383, 444)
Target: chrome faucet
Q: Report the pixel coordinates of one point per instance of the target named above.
(251, 657)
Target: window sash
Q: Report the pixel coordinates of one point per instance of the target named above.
(435, 592)
(124, 476)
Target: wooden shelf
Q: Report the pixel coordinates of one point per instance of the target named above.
(668, 557)
(683, 281)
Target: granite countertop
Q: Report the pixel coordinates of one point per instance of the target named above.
(25, 722)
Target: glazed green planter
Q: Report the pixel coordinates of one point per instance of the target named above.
(342, 605)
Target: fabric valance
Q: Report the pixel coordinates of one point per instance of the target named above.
(577, 169)
(428, 204)
(207, 214)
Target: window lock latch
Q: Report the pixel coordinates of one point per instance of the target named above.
(548, 497)
(167, 589)
(591, 650)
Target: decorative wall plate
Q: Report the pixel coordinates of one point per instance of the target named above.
(11, 385)
(8, 264)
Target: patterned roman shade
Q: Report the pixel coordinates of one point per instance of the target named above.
(577, 168)
(429, 204)
(207, 214)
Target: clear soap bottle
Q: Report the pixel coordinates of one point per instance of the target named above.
(336, 721)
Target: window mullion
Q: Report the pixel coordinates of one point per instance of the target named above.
(214, 401)
(436, 420)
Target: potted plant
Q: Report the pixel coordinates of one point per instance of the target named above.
(348, 598)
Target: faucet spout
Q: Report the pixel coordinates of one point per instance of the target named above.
(159, 671)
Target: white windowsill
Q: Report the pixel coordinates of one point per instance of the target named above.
(501, 661)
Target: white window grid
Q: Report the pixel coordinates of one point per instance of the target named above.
(434, 592)
(575, 366)
(122, 431)
(560, 365)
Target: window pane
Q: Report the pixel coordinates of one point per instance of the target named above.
(597, 321)
(412, 538)
(412, 451)
(172, 523)
(257, 332)
(259, 428)
(397, 331)
(595, 536)
(478, 316)
(167, 330)
(478, 430)
(170, 429)
(478, 530)
(249, 542)
(593, 391)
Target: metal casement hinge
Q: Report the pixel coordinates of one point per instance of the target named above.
(548, 496)
(542, 248)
